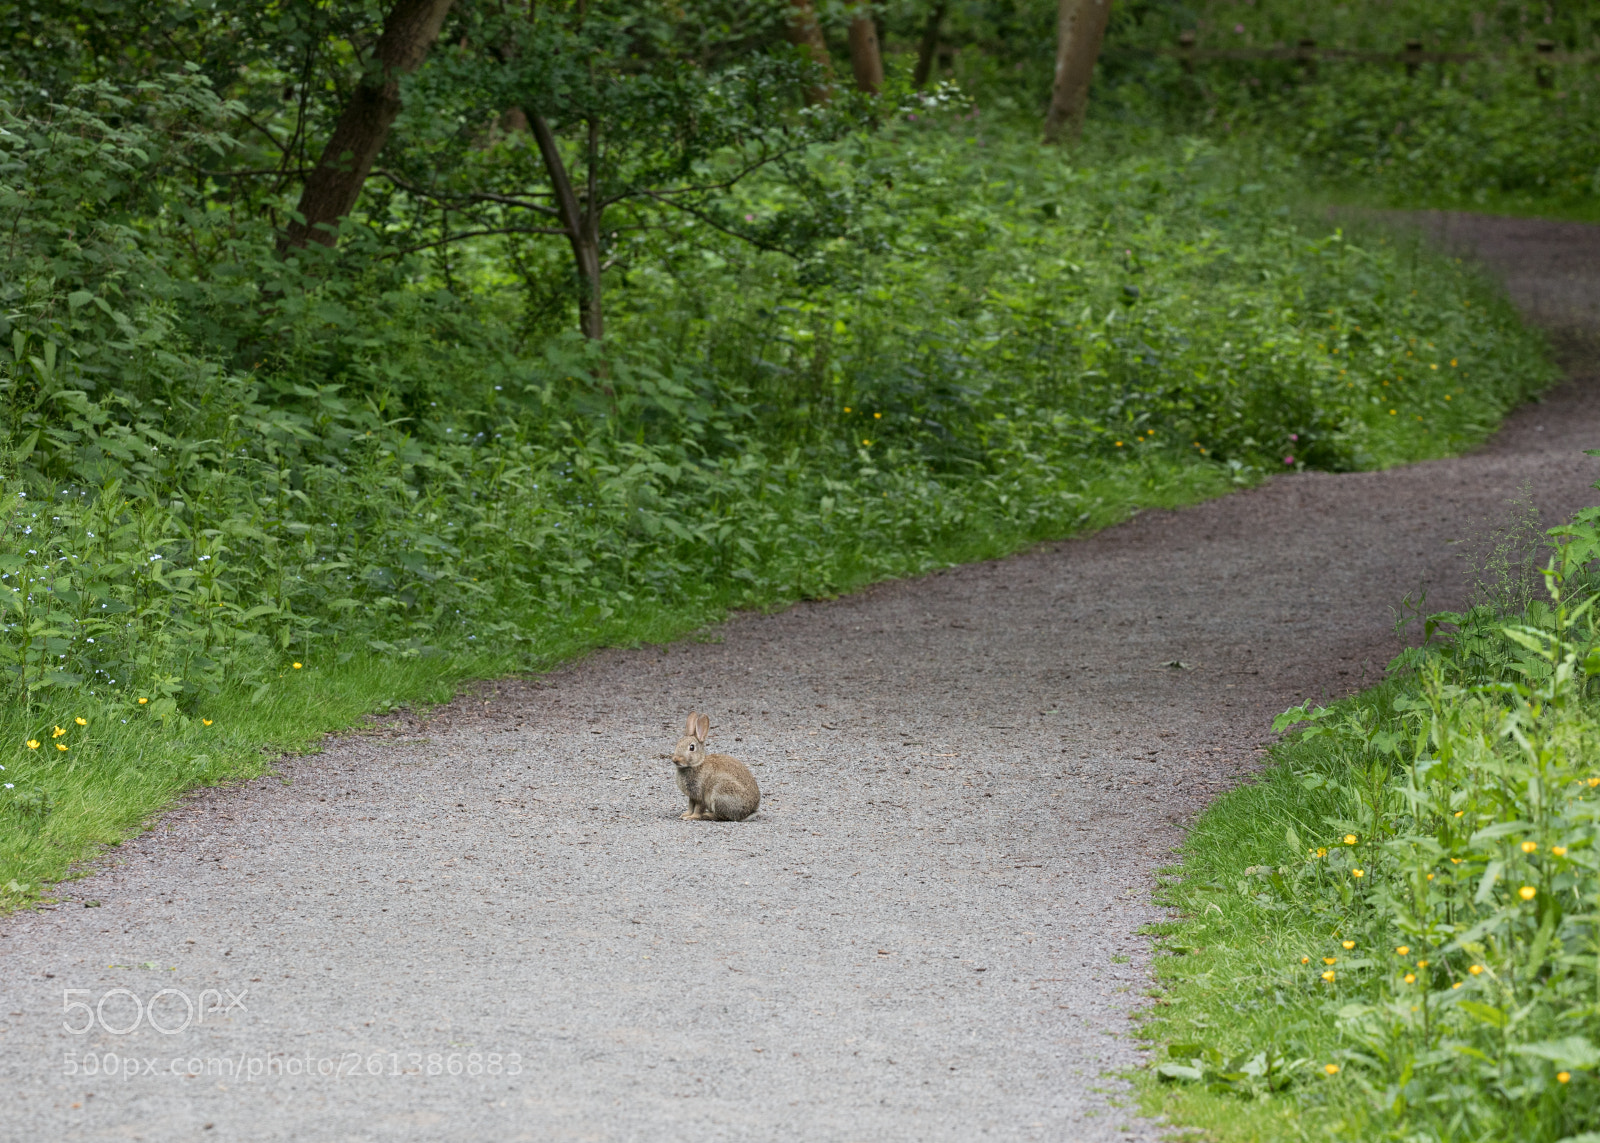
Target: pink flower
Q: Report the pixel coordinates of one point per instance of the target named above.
(752, 218)
(1294, 436)
(912, 116)
(1288, 460)
(1238, 29)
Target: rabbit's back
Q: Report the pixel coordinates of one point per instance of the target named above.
(728, 790)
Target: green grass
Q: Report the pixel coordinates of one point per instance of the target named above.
(1217, 977)
(1390, 933)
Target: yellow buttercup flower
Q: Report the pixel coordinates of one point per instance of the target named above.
(297, 666)
(142, 701)
(33, 744)
(1322, 851)
(81, 721)
(1529, 846)
(1305, 960)
(1411, 978)
(205, 722)
(1349, 945)
(1330, 960)
(61, 746)
(1563, 1077)
(1358, 873)
(877, 416)
(1527, 892)
(1422, 964)
(1559, 850)
(1328, 976)
(1475, 969)
(1331, 1069)
(1403, 950)
(1457, 984)
(1349, 839)
(57, 732)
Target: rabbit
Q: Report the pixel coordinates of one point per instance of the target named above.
(720, 788)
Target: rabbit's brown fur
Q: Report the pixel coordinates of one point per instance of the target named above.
(720, 788)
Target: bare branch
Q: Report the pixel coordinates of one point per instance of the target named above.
(471, 197)
(711, 221)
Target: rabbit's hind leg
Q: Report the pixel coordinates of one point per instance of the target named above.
(727, 807)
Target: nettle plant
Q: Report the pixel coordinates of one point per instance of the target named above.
(1460, 885)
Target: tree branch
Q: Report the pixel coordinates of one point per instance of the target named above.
(471, 196)
(457, 237)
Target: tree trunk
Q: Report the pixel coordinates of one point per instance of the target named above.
(928, 51)
(334, 185)
(1080, 29)
(805, 33)
(865, 59)
(582, 224)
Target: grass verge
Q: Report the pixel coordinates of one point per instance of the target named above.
(1390, 935)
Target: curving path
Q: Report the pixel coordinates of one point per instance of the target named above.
(930, 931)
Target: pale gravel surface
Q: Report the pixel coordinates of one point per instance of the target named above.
(928, 933)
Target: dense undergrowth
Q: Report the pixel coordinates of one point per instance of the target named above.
(235, 484)
(1505, 132)
(1392, 934)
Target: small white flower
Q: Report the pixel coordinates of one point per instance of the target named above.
(9, 786)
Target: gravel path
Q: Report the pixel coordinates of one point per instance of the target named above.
(929, 932)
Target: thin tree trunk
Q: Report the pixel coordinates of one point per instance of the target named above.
(334, 185)
(865, 58)
(928, 50)
(1080, 29)
(582, 224)
(806, 33)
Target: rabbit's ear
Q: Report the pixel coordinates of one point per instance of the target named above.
(688, 727)
(702, 727)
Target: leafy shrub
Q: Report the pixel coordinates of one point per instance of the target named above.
(1431, 896)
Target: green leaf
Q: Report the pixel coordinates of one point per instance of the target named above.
(1171, 1070)
(1488, 1014)
(1491, 874)
(1574, 1052)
